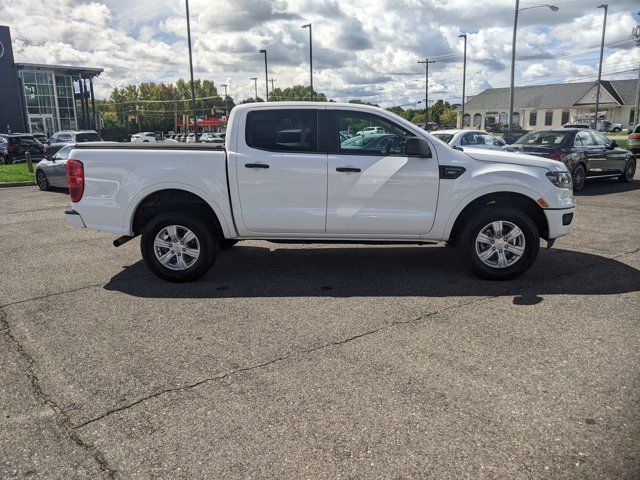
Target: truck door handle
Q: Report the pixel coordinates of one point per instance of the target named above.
(256, 165)
(347, 169)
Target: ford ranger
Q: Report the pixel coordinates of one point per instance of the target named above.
(289, 173)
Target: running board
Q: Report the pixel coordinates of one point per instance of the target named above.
(122, 240)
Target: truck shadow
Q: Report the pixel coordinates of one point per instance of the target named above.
(328, 271)
(606, 186)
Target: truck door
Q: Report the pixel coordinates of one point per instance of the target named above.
(281, 175)
(373, 187)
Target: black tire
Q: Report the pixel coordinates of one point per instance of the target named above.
(225, 244)
(42, 181)
(579, 176)
(466, 243)
(3, 160)
(206, 241)
(629, 171)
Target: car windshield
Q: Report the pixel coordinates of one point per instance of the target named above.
(542, 138)
(445, 137)
(88, 137)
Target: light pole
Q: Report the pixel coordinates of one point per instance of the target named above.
(308, 25)
(266, 76)
(513, 51)
(604, 28)
(635, 33)
(273, 89)
(464, 77)
(426, 63)
(255, 85)
(225, 98)
(193, 88)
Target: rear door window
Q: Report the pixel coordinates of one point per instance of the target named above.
(583, 139)
(286, 130)
(87, 137)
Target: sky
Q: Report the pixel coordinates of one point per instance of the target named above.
(362, 49)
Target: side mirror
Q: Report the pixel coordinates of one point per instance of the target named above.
(417, 147)
(613, 144)
(501, 142)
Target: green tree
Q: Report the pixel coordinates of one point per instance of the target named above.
(296, 93)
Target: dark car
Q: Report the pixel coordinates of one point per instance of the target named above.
(67, 137)
(17, 145)
(586, 153)
(41, 137)
(4, 151)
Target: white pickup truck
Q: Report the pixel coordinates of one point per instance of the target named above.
(288, 175)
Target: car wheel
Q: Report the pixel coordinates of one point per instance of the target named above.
(42, 181)
(499, 243)
(178, 247)
(579, 176)
(3, 160)
(629, 171)
(225, 244)
(616, 129)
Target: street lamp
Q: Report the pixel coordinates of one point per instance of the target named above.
(255, 85)
(464, 76)
(225, 99)
(266, 75)
(308, 25)
(553, 8)
(426, 63)
(604, 28)
(193, 88)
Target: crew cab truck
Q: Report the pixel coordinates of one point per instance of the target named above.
(188, 201)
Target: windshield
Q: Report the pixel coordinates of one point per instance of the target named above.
(445, 137)
(542, 138)
(88, 137)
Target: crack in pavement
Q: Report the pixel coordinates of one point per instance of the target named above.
(64, 420)
(299, 353)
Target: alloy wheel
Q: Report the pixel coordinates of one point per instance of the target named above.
(578, 177)
(176, 247)
(41, 180)
(500, 244)
(630, 171)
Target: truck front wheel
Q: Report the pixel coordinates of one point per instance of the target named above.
(178, 247)
(499, 243)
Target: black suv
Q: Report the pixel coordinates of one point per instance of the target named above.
(13, 147)
(586, 153)
(66, 137)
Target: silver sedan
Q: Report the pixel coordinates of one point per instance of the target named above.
(52, 171)
(469, 138)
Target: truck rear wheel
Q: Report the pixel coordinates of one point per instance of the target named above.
(499, 243)
(178, 247)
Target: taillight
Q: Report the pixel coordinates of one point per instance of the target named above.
(557, 155)
(634, 136)
(12, 148)
(75, 179)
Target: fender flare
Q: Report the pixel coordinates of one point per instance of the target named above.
(139, 196)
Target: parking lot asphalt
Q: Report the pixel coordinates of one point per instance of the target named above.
(319, 361)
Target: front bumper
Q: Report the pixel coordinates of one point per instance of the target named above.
(74, 219)
(560, 221)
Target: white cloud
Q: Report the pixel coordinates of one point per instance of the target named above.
(365, 49)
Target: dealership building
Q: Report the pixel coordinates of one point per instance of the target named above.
(44, 98)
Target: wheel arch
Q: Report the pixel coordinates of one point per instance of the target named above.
(157, 201)
(499, 199)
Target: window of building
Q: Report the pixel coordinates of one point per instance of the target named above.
(64, 92)
(504, 118)
(516, 118)
(466, 120)
(533, 118)
(283, 130)
(548, 118)
(477, 120)
(565, 117)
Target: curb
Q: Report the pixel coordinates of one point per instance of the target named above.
(18, 184)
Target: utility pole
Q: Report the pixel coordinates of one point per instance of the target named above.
(635, 33)
(266, 75)
(175, 117)
(604, 28)
(426, 63)
(464, 77)
(308, 25)
(272, 87)
(255, 85)
(193, 88)
(225, 99)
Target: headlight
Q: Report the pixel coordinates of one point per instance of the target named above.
(560, 179)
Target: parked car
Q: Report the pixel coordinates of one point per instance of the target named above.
(370, 131)
(213, 138)
(469, 138)
(633, 142)
(187, 203)
(52, 171)
(586, 153)
(4, 151)
(145, 137)
(607, 126)
(17, 145)
(68, 137)
(576, 125)
(41, 137)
